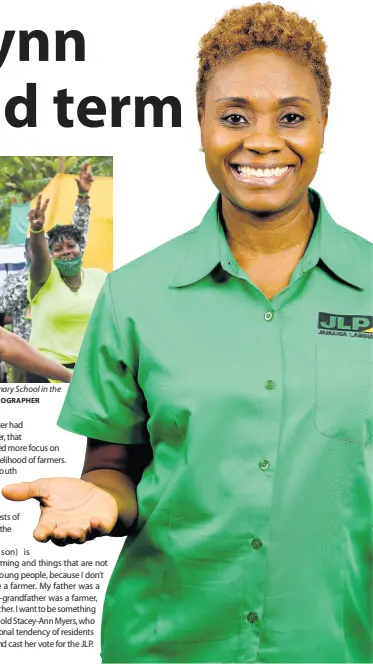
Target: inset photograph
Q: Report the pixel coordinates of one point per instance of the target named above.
(56, 248)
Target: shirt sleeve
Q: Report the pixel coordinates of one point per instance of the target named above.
(81, 219)
(104, 400)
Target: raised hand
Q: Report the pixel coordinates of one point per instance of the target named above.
(72, 510)
(36, 216)
(85, 179)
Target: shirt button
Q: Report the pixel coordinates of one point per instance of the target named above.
(264, 465)
(256, 543)
(268, 315)
(270, 385)
(252, 617)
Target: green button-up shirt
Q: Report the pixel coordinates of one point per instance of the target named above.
(254, 539)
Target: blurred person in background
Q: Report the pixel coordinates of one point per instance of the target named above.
(13, 293)
(61, 292)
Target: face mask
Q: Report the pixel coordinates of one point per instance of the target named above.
(68, 268)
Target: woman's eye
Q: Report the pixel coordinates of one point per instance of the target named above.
(292, 118)
(234, 119)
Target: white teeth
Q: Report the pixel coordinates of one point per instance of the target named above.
(262, 173)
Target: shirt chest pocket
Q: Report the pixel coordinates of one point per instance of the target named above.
(344, 388)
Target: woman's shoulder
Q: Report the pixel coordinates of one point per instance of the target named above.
(95, 274)
(157, 266)
(355, 253)
(49, 287)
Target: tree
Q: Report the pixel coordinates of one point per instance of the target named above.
(21, 178)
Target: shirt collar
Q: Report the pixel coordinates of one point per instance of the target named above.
(203, 251)
(331, 246)
(335, 248)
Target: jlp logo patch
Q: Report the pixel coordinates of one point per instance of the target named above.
(343, 325)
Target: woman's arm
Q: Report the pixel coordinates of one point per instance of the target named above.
(16, 351)
(82, 210)
(103, 502)
(40, 258)
(117, 469)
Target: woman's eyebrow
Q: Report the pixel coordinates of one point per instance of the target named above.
(244, 101)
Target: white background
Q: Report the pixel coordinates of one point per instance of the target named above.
(161, 188)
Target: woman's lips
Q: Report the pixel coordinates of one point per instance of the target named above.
(261, 177)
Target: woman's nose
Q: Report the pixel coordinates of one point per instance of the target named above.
(263, 138)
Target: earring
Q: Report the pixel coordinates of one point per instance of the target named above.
(322, 151)
(201, 149)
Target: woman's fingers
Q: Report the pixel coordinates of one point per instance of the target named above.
(96, 528)
(27, 490)
(45, 206)
(44, 529)
(59, 533)
(36, 216)
(86, 173)
(65, 533)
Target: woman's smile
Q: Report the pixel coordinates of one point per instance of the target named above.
(265, 176)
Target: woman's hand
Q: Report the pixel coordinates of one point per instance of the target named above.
(85, 179)
(36, 216)
(72, 510)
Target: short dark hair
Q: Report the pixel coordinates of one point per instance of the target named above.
(61, 232)
(263, 25)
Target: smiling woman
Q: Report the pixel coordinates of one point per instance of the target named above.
(207, 372)
(262, 129)
(250, 137)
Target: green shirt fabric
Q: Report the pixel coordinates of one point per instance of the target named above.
(254, 537)
(60, 316)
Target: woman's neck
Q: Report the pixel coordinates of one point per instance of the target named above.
(74, 280)
(268, 249)
(252, 236)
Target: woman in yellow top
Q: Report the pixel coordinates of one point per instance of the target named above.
(62, 294)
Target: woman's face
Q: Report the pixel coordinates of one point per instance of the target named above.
(262, 111)
(65, 249)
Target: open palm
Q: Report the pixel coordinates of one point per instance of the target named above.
(72, 510)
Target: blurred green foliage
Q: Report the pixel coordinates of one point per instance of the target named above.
(21, 178)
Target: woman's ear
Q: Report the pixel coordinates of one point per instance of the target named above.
(201, 122)
(324, 122)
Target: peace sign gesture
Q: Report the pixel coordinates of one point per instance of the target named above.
(85, 179)
(36, 216)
